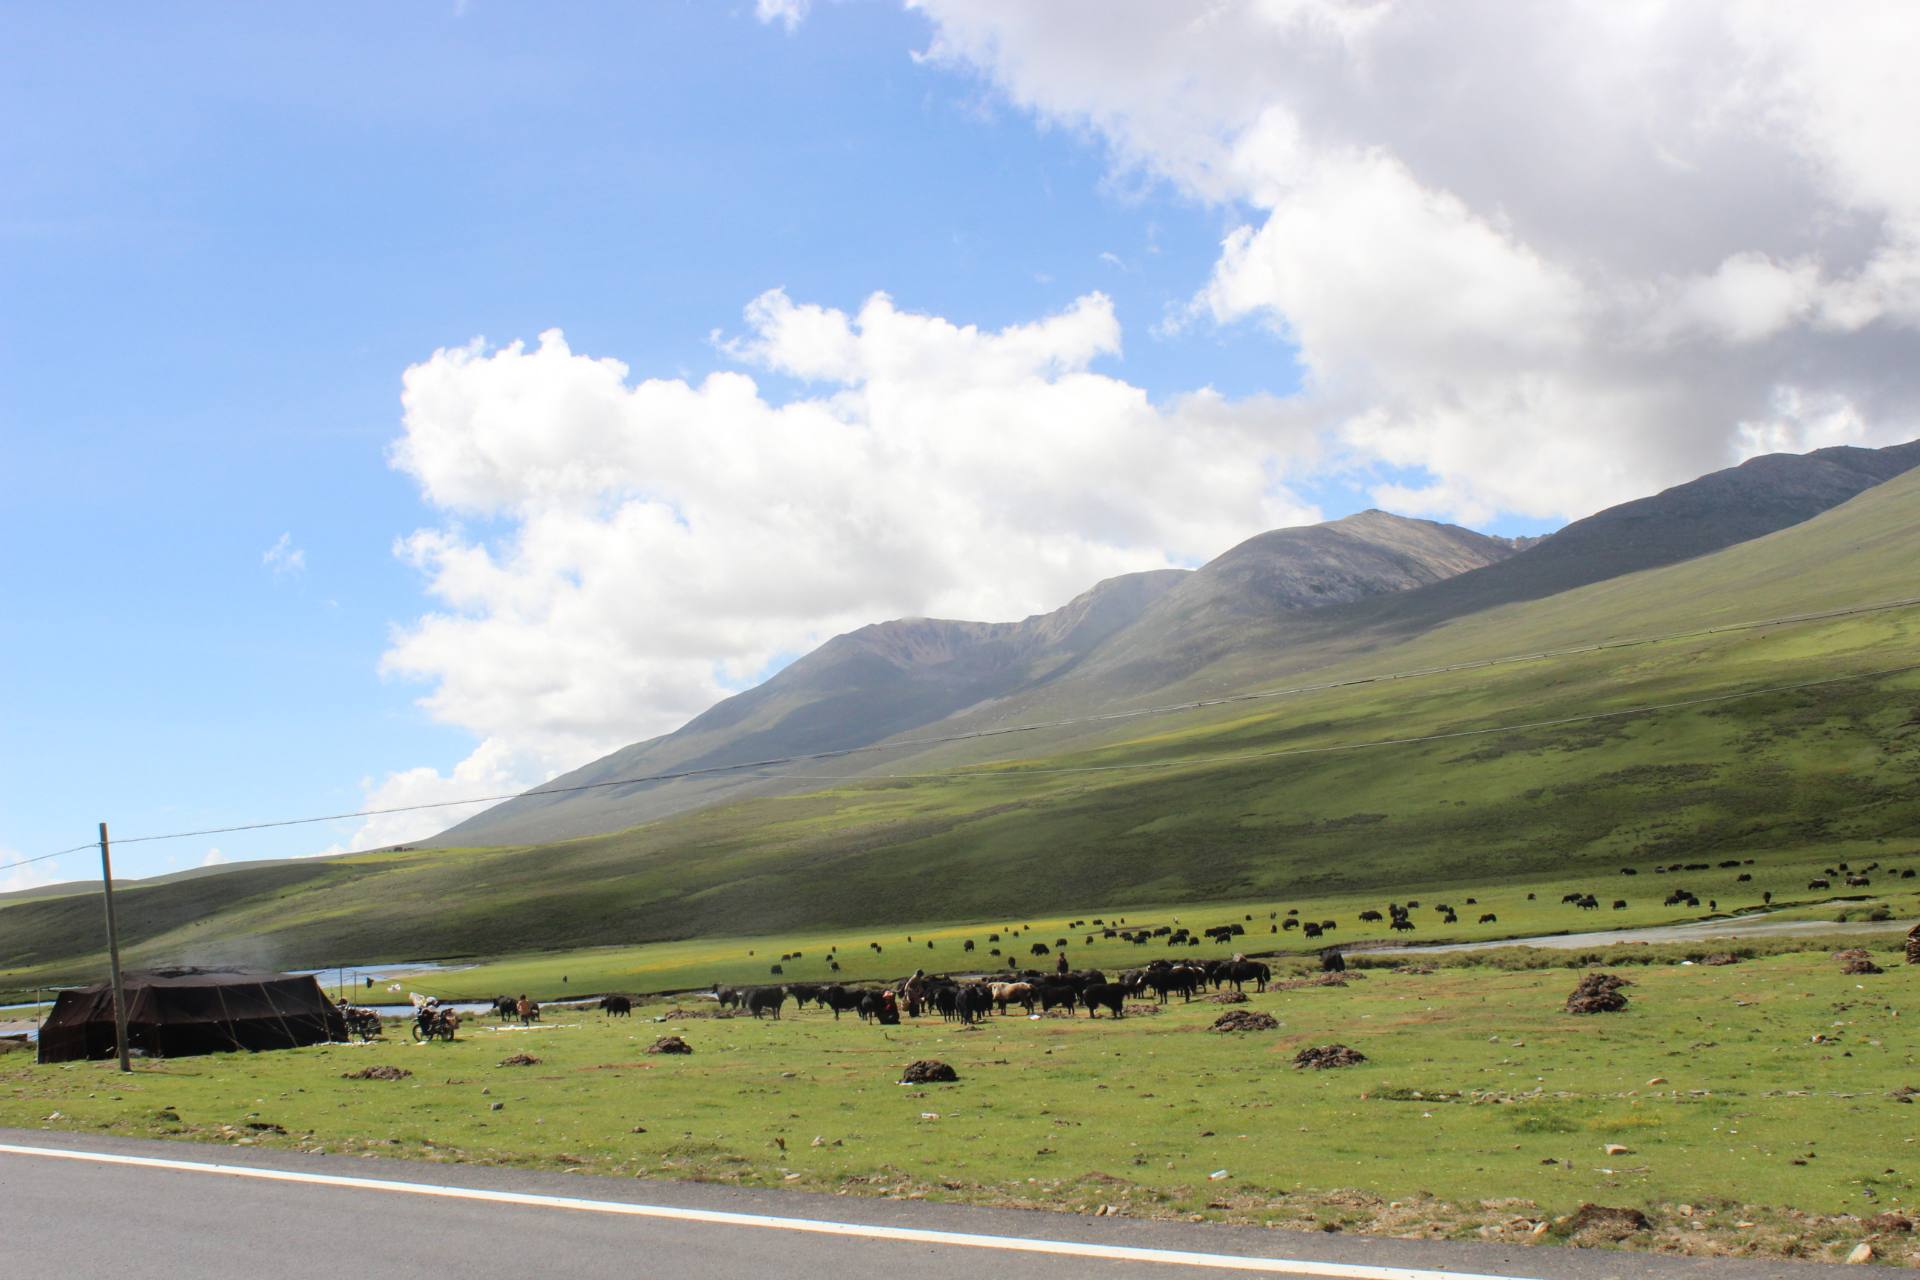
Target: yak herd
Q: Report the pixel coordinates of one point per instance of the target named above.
(967, 999)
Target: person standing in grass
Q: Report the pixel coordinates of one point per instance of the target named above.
(525, 1009)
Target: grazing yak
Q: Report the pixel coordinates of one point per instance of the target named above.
(1242, 971)
(1104, 995)
(759, 1000)
(617, 1006)
(1489, 918)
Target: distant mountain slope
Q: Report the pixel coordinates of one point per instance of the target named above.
(894, 677)
(1237, 601)
(1718, 510)
(1722, 509)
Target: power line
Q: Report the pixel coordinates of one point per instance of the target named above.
(47, 857)
(1006, 730)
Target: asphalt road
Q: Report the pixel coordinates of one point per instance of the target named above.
(80, 1205)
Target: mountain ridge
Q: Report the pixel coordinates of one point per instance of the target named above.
(1364, 580)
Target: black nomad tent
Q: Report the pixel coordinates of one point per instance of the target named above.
(172, 1013)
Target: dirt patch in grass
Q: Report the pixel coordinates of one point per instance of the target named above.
(520, 1060)
(1603, 1224)
(669, 1044)
(1317, 980)
(381, 1072)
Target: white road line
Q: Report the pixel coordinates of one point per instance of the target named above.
(815, 1226)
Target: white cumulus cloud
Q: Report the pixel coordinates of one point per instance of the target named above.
(1553, 257)
(789, 13)
(652, 543)
(283, 556)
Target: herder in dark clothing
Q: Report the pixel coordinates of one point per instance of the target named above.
(889, 1009)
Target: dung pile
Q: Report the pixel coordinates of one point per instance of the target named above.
(520, 1060)
(1598, 993)
(1228, 997)
(669, 1044)
(1856, 960)
(382, 1072)
(927, 1071)
(1326, 1056)
(1244, 1020)
(1721, 957)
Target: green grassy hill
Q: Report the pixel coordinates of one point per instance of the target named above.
(1196, 806)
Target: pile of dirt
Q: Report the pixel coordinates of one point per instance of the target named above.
(1856, 960)
(669, 1044)
(520, 1060)
(927, 1071)
(1888, 1224)
(382, 1072)
(1228, 997)
(1317, 980)
(1144, 1010)
(1598, 993)
(1721, 957)
(1599, 1223)
(1244, 1020)
(1326, 1056)
(1905, 1093)
(676, 1013)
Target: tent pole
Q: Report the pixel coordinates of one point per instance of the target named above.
(113, 955)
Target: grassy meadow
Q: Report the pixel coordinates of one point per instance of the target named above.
(1756, 1103)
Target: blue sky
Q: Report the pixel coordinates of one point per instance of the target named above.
(226, 233)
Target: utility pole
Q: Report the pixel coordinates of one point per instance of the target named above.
(113, 955)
